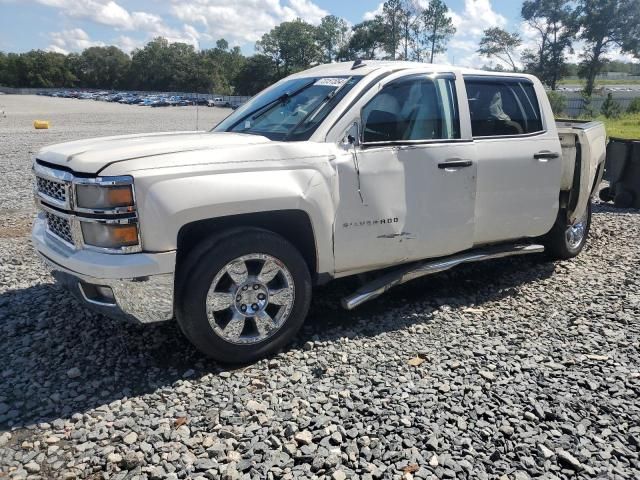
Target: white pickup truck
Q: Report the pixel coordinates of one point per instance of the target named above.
(396, 169)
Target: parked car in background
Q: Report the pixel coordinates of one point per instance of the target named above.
(394, 169)
(152, 99)
(218, 102)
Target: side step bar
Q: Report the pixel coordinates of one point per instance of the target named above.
(380, 285)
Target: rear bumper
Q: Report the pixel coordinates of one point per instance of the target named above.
(136, 286)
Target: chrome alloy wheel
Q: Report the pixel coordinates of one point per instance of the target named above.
(250, 299)
(574, 234)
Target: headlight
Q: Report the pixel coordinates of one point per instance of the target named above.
(106, 193)
(110, 235)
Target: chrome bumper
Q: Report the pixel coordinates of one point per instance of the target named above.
(139, 289)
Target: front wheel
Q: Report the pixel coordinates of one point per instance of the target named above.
(567, 240)
(243, 295)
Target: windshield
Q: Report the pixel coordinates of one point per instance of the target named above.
(290, 110)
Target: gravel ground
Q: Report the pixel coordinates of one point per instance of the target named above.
(515, 369)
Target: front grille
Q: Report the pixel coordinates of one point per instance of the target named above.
(59, 226)
(52, 189)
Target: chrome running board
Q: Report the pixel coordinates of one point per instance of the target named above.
(380, 285)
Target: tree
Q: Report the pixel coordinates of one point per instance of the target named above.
(500, 44)
(38, 68)
(409, 23)
(558, 103)
(610, 108)
(438, 27)
(366, 40)
(606, 24)
(554, 22)
(392, 18)
(291, 46)
(218, 68)
(165, 66)
(634, 106)
(102, 67)
(256, 74)
(333, 36)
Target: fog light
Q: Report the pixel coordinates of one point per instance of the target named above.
(105, 292)
(97, 294)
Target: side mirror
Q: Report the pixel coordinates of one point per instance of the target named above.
(351, 137)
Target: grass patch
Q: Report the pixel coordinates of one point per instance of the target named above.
(627, 126)
(633, 81)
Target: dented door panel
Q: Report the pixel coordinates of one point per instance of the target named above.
(411, 207)
(370, 223)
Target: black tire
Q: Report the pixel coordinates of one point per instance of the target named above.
(605, 194)
(557, 246)
(210, 257)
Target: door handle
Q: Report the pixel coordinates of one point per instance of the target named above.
(546, 155)
(455, 163)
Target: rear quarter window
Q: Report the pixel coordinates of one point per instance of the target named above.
(503, 106)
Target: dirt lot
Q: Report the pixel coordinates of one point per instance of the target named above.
(525, 368)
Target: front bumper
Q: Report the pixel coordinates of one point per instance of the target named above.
(136, 286)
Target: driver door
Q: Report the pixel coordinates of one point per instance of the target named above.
(407, 191)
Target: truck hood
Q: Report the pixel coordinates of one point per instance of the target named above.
(94, 154)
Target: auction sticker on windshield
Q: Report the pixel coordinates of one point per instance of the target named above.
(331, 82)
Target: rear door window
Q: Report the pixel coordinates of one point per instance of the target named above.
(502, 106)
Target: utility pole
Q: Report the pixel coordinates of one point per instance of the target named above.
(197, 93)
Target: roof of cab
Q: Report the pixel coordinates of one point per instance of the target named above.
(369, 66)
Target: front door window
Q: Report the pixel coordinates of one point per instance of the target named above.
(412, 109)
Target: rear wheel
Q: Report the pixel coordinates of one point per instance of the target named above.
(566, 240)
(243, 295)
(605, 194)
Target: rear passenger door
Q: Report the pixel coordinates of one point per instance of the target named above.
(518, 154)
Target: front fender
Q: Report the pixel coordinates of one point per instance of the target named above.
(167, 204)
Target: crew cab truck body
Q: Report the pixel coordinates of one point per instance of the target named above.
(335, 171)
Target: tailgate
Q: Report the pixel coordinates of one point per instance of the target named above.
(584, 150)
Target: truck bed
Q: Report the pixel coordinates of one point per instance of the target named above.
(584, 149)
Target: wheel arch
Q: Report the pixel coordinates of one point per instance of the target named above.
(293, 225)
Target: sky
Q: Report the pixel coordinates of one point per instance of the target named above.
(73, 25)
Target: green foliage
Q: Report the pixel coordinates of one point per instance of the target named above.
(626, 126)
(366, 40)
(101, 67)
(558, 103)
(611, 108)
(332, 35)
(391, 20)
(438, 27)
(500, 44)
(554, 22)
(292, 46)
(587, 106)
(403, 30)
(605, 24)
(634, 107)
(406, 29)
(256, 74)
(161, 65)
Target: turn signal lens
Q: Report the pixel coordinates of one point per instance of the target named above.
(119, 196)
(109, 235)
(104, 197)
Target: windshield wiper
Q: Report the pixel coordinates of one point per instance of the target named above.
(259, 112)
(330, 96)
